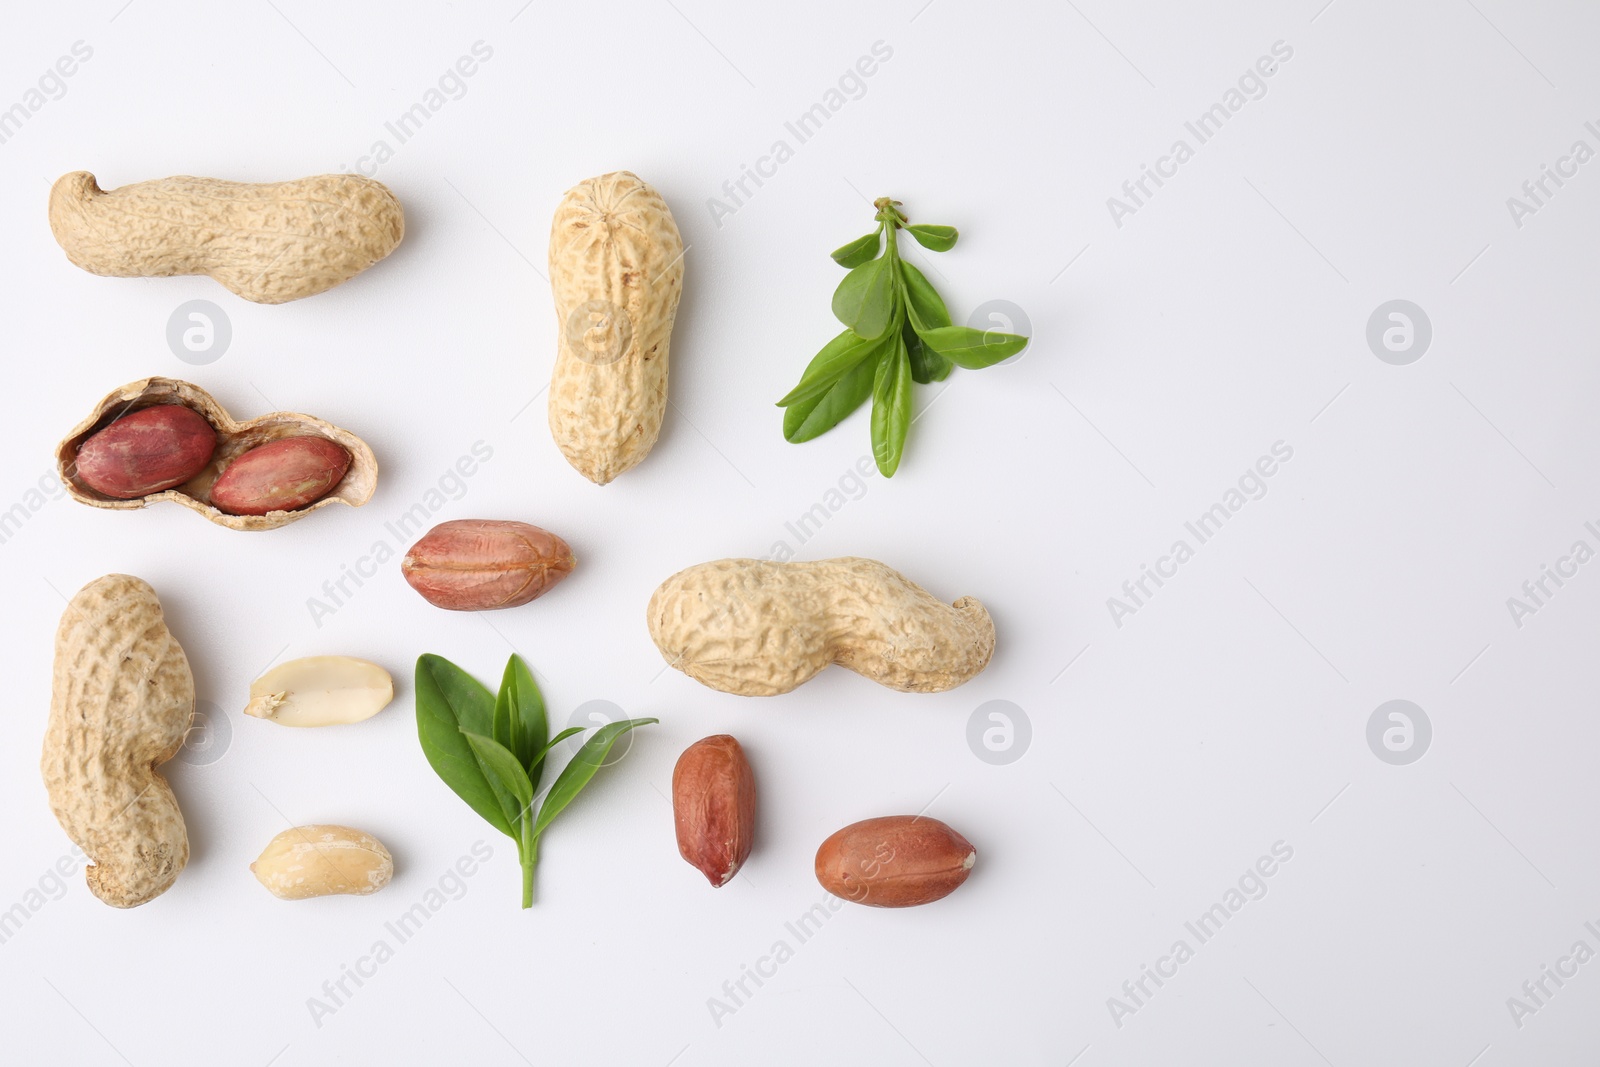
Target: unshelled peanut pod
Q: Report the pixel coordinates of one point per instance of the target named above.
(616, 270)
(270, 242)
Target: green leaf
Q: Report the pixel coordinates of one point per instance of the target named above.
(577, 774)
(973, 349)
(859, 251)
(891, 408)
(934, 238)
(519, 715)
(449, 700)
(864, 300)
(837, 358)
(558, 738)
(814, 417)
(926, 364)
(503, 766)
(925, 307)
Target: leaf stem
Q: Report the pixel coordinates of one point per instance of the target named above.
(529, 856)
(889, 212)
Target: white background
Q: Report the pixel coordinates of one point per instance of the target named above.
(1229, 713)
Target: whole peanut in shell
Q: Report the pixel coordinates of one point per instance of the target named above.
(146, 451)
(897, 861)
(758, 628)
(616, 269)
(281, 475)
(714, 807)
(480, 564)
(270, 242)
(121, 701)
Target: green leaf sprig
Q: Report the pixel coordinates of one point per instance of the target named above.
(897, 333)
(491, 750)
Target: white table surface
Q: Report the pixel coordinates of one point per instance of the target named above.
(1178, 339)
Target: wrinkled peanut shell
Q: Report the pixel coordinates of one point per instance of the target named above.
(121, 701)
(269, 242)
(758, 628)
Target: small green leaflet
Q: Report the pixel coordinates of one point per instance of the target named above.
(898, 334)
(864, 301)
(449, 699)
(934, 238)
(926, 307)
(891, 409)
(859, 251)
(926, 364)
(491, 750)
(582, 767)
(973, 349)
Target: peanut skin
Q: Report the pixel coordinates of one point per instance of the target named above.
(121, 702)
(146, 451)
(616, 270)
(897, 861)
(269, 243)
(481, 564)
(282, 475)
(714, 807)
(756, 628)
